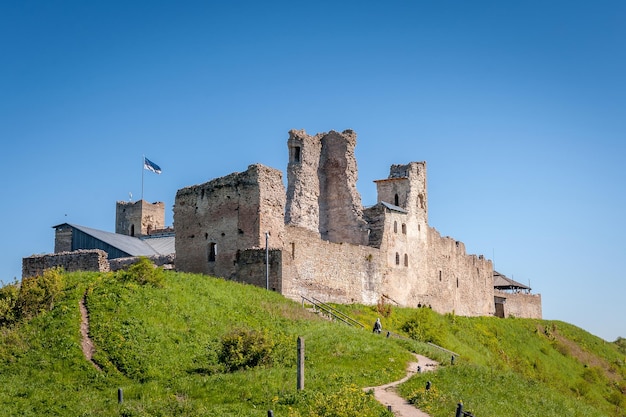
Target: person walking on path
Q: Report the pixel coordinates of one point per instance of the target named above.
(378, 327)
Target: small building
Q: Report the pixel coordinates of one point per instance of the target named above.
(514, 299)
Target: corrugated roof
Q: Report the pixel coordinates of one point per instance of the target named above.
(502, 282)
(129, 244)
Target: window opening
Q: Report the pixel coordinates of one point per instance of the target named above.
(397, 258)
(403, 229)
(406, 259)
(132, 230)
(396, 200)
(395, 227)
(296, 154)
(212, 251)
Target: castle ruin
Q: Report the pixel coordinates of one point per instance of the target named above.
(323, 244)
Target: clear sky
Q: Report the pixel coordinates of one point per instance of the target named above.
(518, 107)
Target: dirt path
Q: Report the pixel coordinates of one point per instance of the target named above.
(86, 342)
(386, 394)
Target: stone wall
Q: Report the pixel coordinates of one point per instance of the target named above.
(328, 271)
(457, 282)
(303, 186)
(321, 191)
(216, 220)
(521, 304)
(139, 218)
(251, 268)
(323, 244)
(163, 261)
(81, 260)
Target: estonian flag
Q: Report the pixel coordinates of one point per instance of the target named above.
(151, 166)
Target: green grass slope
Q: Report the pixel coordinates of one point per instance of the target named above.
(162, 339)
(161, 345)
(511, 367)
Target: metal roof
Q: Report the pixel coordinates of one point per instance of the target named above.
(394, 208)
(164, 245)
(129, 244)
(502, 282)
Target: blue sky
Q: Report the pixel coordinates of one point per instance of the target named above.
(517, 107)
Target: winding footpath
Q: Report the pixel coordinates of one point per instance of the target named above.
(386, 394)
(86, 342)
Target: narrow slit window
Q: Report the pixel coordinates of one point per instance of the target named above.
(406, 259)
(212, 251)
(396, 200)
(403, 229)
(395, 227)
(397, 258)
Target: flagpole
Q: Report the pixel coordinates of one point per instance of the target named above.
(143, 162)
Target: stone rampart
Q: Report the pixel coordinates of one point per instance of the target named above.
(520, 304)
(81, 260)
(458, 282)
(335, 272)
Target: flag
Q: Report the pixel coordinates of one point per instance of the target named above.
(151, 166)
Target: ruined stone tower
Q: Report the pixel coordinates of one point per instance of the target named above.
(216, 222)
(321, 191)
(406, 188)
(139, 218)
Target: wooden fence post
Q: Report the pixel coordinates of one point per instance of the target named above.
(300, 364)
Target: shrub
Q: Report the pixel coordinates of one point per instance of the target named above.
(38, 293)
(384, 309)
(424, 326)
(143, 272)
(8, 301)
(349, 401)
(245, 348)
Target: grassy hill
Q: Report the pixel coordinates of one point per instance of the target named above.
(189, 345)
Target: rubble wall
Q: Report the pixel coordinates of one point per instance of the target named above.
(80, 260)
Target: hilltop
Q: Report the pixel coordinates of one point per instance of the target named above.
(185, 344)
